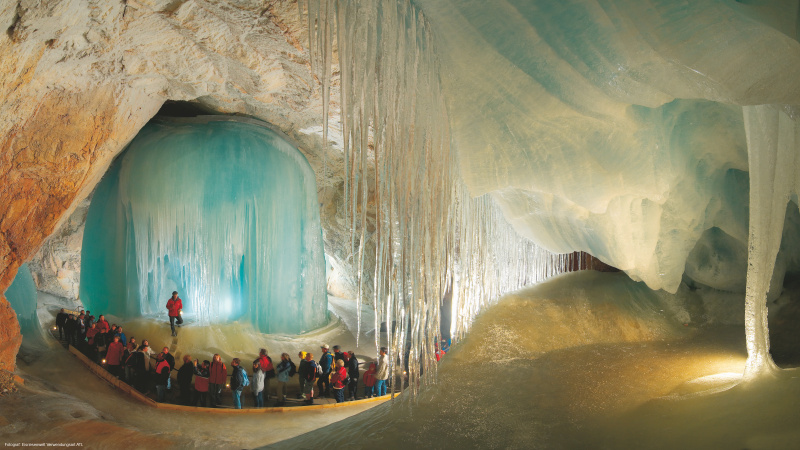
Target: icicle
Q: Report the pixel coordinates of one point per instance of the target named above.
(429, 236)
(158, 228)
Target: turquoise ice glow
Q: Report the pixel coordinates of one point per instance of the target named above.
(225, 212)
(22, 296)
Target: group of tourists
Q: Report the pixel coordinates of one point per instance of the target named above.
(335, 374)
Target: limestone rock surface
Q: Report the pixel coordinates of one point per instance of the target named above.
(79, 78)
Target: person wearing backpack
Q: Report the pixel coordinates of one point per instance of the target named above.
(258, 384)
(285, 370)
(269, 370)
(239, 380)
(310, 377)
(326, 365)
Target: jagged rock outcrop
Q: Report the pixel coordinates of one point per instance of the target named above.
(56, 266)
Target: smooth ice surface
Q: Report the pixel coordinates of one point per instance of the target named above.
(587, 360)
(242, 340)
(22, 296)
(225, 212)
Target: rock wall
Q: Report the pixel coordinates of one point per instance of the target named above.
(56, 267)
(79, 78)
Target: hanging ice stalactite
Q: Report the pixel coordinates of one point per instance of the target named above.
(430, 235)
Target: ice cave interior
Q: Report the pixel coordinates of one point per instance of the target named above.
(223, 212)
(395, 162)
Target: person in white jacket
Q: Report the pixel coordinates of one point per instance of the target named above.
(382, 373)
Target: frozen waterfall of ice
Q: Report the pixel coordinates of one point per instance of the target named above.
(225, 212)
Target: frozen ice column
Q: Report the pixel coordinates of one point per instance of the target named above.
(225, 212)
(772, 139)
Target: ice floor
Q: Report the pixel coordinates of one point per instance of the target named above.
(589, 361)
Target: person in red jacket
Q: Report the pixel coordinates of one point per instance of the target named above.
(217, 377)
(369, 381)
(201, 383)
(174, 306)
(269, 370)
(114, 357)
(102, 324)
(162, 375)
(339, 380)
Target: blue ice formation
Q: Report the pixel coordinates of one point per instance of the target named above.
(224, 212)
(616, 127)
(22, 296)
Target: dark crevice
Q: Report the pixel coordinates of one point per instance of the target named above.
(17, 17)
(175, 108)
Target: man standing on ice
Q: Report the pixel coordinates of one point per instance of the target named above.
(381, 374)
(174, 306)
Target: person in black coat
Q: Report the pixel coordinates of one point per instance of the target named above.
(139, 363)
(70, 329)
(61, 319)
(171, 360)
(352, 372)
(337, 354)
(185, 374)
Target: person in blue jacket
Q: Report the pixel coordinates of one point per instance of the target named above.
(238, 381)
(326, 364)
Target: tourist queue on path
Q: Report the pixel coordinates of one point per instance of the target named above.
(333, 375)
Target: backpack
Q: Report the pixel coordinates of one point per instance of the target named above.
(292, 369)
(245, 378)
(326, 360)
(268, 369)
(314, 371)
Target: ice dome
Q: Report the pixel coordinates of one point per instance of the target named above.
(222, 211)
